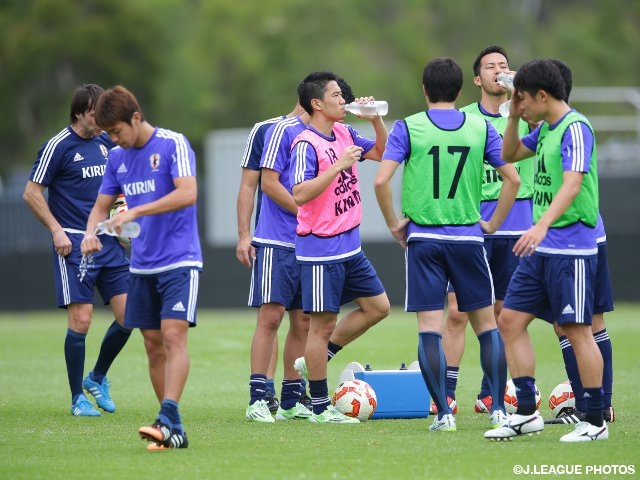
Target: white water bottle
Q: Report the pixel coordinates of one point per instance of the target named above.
(127, 230)
(506, 80)
(504, 108)
(379, 107)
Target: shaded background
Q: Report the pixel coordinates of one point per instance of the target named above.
(208, 66)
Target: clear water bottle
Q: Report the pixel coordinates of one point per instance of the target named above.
(127, 230)
(504, 108)
(506, 80)
(379, 107)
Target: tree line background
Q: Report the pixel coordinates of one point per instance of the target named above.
(198, 65)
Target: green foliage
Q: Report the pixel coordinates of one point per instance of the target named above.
(200, 65)
(40, 438)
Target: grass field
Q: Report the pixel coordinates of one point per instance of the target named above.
(40, 438)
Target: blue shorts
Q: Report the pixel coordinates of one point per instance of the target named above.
(275, 278)
(168, 295)
(502, 262)
(327, 286)
(604, 292)
(107, 270)
(555, 288)
(431, 265)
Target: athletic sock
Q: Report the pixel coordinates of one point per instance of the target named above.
(74, 351)
(485, 390)
(573, 374)
(319, 391)
(270, 387)
(526, 394)
(595, 405)
(290, 393)
(257, 388)
(494, 366)
(433, 366)
(452, 381)
(332, 350)
(170, 414)
(114, 339)
(604, 344)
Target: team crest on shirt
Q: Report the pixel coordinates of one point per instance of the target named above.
(154, 161)
(104, 150)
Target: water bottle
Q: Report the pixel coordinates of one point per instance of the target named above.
(403, 366)
(504, 108)
(367, 368)
(506, 80)
(379, 107)
(127, 230)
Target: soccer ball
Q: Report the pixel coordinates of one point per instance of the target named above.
(561, 397)
(511, 401)
(120, 206)
(356, 399)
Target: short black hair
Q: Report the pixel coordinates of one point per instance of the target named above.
(347, 93)
(84, 99)
(538, 75)
(567, 77)
(442, 80)
(313, 86)
(487, 51)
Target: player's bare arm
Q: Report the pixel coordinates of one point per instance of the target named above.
(384, 195)
(277, 192)
(34, 198)
(310, 189)
(510, 186)
(529, 241)
(245, 252)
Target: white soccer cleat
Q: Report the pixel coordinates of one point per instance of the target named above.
(586, 432)
(446, 424)
(259, 412)
(517, 425)
(497, 419)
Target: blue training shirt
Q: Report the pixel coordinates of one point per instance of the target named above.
(71, 168)
(169, 240)
(276, 226)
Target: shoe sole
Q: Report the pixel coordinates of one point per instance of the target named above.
(151, 434)
(510, 439)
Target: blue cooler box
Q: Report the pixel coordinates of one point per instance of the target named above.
(400, 393)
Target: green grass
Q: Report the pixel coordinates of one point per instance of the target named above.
(40, 438)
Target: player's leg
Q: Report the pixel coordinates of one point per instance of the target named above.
(363, 286)
(603, 342)
(453, 341)
(323, 304)
(176, 294)
(112, 284)
(156, 359)
(294, 347)
(272, 400)
(79, 320)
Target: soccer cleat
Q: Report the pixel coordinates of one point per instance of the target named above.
(272, 403)
(483, 405)
(156, 433)
(446, 424)
(176, 440)
(497, 419)
(100, 392)
(331, 415)
(259, 412)
(609, 415)
(83, 408)
(517, 425)
(566, 416)
(306, 400)
(586, 432)
(300, 366)
(452, 405)
(298, 412)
